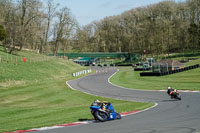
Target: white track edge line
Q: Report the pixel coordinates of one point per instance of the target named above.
(142, 90)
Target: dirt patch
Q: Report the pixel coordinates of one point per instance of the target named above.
(11, 83)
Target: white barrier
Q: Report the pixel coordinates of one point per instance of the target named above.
(81, 73)
(105, 70)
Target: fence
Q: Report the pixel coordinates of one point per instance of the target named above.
(160, 67)
(169, 72)
(12, 59)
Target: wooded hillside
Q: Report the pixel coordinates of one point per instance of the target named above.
(161, 28)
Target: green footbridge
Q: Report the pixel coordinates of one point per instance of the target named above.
(112, 55)
(89, 58)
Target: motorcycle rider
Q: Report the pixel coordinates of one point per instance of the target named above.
(103, 104)
(171, 91)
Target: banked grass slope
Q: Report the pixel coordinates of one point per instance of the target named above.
(34, 95)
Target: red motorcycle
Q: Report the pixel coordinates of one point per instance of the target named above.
(175, 95)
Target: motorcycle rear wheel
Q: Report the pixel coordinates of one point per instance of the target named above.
(101, 116)
(118, 116)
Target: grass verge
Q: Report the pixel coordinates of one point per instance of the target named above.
(188, 80)
(34, 95)
(54, 104)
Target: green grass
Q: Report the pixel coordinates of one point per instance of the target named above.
(32, 107)
(34, 94)
(190, 57)
(188, 80)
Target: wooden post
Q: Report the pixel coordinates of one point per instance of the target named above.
(7, 57)
(16, 60)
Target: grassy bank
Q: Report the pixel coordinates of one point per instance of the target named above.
(188, 80)
(34, 94)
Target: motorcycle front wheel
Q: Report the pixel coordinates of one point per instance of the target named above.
(178, 96)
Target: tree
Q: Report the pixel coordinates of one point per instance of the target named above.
(51, 9)
(63, 27)
(193, 32)
(161, 28)
(2, 33)
(30, 12)
(198, 35)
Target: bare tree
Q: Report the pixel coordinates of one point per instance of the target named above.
(29, 13)
(63, 27)
(50, 9)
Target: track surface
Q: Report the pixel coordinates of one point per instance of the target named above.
(169, 116)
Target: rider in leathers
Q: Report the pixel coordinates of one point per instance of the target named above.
(171, 91)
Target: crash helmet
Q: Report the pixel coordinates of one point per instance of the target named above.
(97, 101)
(169, 87)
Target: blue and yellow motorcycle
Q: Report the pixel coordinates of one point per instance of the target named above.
(104, 111)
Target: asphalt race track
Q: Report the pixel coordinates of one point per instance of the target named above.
(170, 116)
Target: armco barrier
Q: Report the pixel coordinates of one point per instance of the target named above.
(169, 72)
(81, 73)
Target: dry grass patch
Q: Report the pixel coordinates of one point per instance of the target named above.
(10, 83)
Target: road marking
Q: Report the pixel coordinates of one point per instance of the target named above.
(139, 89)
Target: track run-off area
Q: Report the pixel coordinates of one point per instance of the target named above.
(167, 116)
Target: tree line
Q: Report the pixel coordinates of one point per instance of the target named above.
(35, 25)
(47, 27)
(161, 28)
